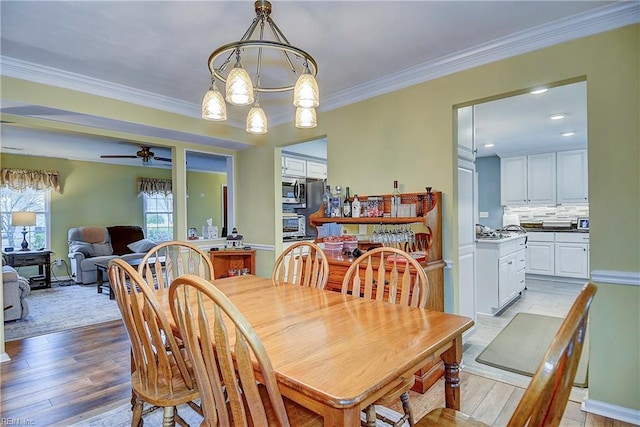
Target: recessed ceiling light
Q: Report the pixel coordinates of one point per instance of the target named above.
(568, 133)
(539, 91)
(557, 116)
(489, 145)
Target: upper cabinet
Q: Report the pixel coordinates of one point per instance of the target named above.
(573, 177)
(294, 166)
(528, 180)
(316, 169)
(544, 179)
(301, 167)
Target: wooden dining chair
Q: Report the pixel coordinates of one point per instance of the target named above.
(225, 353)
(174, 259)
(546, 397)
(160, 376)
(382, 274)
(303, 263)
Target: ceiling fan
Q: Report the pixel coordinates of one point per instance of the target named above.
(145, 154)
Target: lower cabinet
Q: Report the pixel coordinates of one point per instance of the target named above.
(500, 273)
(572, 260)
(558, 254)
(541, 253)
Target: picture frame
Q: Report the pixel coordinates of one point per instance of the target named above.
(583, 223)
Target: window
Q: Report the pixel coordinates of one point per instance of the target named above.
(158, 216)
(28, 200)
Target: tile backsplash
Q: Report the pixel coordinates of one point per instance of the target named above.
(539, 213)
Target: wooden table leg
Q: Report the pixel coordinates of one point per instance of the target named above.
(451, 359)
(334, 417)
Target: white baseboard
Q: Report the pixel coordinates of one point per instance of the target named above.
(4, 357)
(608, 410)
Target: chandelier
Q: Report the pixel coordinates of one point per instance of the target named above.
(275, 53)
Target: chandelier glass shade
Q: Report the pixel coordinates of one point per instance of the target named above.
(239, 86)
(306, 93)
(278, 55)
(257, 120)
(213, 106)
(306, 118)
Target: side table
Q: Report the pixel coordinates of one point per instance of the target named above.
(224, 260)
(31, 258)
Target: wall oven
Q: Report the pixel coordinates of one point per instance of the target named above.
(293, 190)
(293, 225)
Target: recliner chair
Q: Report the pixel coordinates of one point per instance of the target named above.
(15, 291)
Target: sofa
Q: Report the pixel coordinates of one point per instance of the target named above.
(89, 245)
(14, 292)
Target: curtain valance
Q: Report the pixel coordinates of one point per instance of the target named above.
(22, 179)
(150, 186)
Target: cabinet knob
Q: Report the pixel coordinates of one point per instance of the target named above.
(584, 249)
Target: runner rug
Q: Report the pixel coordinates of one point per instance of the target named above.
(522, 344)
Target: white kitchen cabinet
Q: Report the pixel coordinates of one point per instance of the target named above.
(528, 180)
(558, 254)
(294, 166)
(572, 255)
(572, 177)
(316, 169)
(500, 272)
(541, 253)
(513, 180)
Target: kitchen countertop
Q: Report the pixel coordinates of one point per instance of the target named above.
(556, 230)
(500, 240)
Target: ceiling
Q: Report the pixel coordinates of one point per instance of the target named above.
(154, 53)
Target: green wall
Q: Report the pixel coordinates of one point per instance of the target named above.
(205, 199)
(408, 135)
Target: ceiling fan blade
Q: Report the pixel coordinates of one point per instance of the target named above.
(117, 156)
(162, 159)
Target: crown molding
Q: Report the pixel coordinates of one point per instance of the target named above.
(581, 25)
(585, 24)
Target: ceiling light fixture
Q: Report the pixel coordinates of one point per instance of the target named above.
(241, 90)
(557, 116)
(539, 91)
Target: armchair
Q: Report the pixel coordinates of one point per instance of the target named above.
(88, 245)
(15, 292)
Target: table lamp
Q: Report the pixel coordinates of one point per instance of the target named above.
(24, 219)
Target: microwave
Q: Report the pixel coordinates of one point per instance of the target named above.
(293, 190)
(293, 225)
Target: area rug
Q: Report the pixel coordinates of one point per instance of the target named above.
(62, 307)
(522, 344)
(121, 417)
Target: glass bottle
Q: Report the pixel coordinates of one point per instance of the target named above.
(346, 205)
(336, 203)
(355, 207)
(326, 200)
(395, 200)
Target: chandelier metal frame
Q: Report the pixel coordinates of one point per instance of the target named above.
(263, 12)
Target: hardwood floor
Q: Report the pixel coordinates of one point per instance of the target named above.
(67, 377)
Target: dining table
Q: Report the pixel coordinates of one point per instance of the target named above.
(336, 354)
